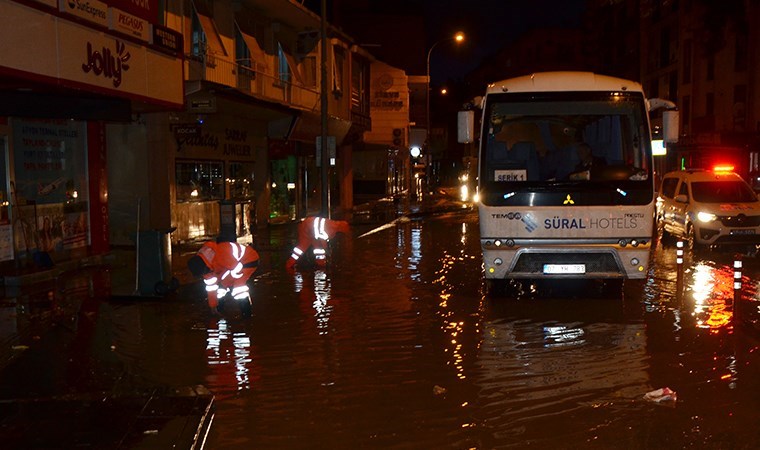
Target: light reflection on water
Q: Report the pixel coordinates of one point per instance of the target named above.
(228, 354)
(398, 348)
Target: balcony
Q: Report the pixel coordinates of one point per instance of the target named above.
(250, 80)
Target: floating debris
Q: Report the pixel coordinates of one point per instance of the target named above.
(661, 395)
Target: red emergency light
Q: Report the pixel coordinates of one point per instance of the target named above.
(723, 168)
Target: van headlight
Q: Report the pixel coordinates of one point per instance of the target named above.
(705, 217)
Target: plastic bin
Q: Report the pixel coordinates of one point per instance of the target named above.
(154, 267)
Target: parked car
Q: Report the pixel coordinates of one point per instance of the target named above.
(709, 208)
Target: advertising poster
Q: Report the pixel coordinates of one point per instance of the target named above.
(51, 182)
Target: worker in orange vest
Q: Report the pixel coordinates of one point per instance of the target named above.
(314, 234)
(226, 267)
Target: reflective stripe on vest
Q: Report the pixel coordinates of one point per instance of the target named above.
(319, 228)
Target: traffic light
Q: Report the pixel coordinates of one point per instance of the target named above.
(398, 137)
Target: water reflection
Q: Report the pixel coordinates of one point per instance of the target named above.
(228, 355)
(560, 336)
(712, 291)
(543, 359)
(315, 290)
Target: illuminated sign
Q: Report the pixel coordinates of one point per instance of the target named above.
(658, 148)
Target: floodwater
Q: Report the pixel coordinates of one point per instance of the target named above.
(397, 345)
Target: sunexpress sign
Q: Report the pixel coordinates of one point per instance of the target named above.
(90, 10)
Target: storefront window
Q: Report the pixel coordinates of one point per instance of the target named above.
(199, 180)
(50, 194)
(240, 180)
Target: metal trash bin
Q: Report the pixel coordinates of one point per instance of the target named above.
(154, 267)
(227, 227)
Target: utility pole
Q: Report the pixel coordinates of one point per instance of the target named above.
(325, 156)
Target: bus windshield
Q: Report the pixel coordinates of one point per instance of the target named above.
(538, 139)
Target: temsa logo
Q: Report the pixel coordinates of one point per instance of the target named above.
(107, 63)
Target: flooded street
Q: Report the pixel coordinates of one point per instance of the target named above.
(396, 345)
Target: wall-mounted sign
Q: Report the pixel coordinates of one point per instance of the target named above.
(167, 39)
(129, 24)
(93, 11)
(71, 51)
(388, 100)
(182, 130)
(109, 61)
(202, 105)
(144, 9)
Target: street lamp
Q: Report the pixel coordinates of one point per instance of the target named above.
(458, 37)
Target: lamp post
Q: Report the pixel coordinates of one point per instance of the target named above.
(458, 37)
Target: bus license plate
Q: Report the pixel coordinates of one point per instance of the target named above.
(745, 231)
(564, 268)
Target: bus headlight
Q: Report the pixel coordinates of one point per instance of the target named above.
(705, 217)
(498, 262)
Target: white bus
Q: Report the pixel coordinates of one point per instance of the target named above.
(565, 181)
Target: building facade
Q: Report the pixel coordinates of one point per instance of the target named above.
(704, 56)
(175, 117)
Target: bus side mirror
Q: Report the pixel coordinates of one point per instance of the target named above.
(670, 126)
(465, 127)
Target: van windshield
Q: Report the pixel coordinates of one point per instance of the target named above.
(722, 192)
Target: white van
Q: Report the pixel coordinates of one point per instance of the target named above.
(708, 208)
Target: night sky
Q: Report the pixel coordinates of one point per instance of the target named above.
(488, 25)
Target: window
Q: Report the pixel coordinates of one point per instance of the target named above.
(669, 187)
(673, 85)
(740, 57)
(359, 86)
(198, 37)
(242, 52)
(687, 62)
(664, 48)
(683, 190)
(654, 88)
(282, 65)
(240, 180)
(204, 35)
(339, 61)
(686, 110)
(199, 180)
(739, 107)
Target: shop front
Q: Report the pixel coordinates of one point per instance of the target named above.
(219, 157)
(65, 77)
